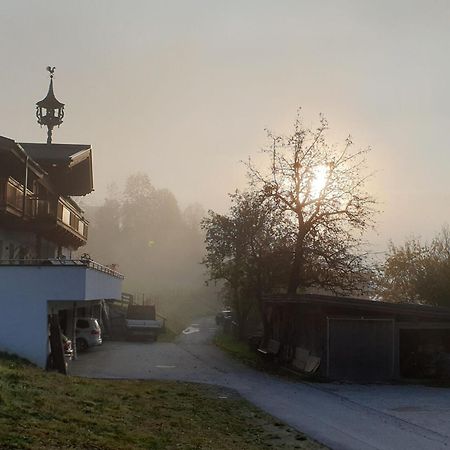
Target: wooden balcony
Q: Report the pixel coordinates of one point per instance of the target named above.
(68, 216)
(57, 218)
(63, 221)
(12, 199)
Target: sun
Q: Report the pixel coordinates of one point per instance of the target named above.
(320, 176)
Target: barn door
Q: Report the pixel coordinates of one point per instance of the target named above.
(360, 349)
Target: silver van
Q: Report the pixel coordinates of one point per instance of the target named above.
(88, 333)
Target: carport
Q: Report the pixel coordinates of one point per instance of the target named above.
(31, 292)
(360, 340)
(62, 319)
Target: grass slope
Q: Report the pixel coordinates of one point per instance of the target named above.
(240, 350)
(40, 410)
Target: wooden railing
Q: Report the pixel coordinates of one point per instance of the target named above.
(61, 210)
(70, 217)
(12, 196)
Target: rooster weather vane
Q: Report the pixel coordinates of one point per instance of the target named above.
(51, 70)
(50, 111)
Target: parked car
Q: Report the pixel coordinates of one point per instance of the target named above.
(68, 353)
(67, 345)
(88, 333)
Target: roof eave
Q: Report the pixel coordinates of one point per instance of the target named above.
(76, 158)
(361, 304)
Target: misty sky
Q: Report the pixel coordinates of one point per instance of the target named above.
(183, 90)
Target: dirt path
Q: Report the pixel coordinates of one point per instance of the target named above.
(340, 416)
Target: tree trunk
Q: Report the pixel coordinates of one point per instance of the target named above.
(259, 299)
(295, 276)
(265, 322)
(242, 329)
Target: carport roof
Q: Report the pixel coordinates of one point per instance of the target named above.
(361, 304)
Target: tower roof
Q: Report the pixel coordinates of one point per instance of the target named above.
(50, 101)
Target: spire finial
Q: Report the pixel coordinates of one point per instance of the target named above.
(50, 111)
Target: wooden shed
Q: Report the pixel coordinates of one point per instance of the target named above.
(353, 339)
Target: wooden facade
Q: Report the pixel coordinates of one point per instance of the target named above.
(36, 182)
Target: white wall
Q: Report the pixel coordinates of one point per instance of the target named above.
(101, 285)
(24, 293)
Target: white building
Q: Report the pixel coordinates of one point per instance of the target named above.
(40, 228)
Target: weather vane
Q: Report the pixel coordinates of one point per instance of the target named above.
(50, 111)
(51, 70)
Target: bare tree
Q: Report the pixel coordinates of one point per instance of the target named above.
(321, 191)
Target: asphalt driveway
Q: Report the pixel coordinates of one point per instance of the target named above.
(338, 415)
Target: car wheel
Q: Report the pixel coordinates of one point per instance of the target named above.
(81, 345)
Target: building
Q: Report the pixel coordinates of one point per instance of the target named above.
(41, 228)
(352, 339)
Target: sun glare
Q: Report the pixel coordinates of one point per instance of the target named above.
(319, 180)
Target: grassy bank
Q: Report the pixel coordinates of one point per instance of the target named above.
(168, 336)
(40, 410)
(240, 350)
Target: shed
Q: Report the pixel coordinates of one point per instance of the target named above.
(358, 339)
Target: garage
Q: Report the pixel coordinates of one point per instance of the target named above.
(360, 349)
(360, 340)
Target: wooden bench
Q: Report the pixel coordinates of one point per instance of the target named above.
(304, 361)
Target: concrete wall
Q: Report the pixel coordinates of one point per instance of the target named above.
(100, 285)
(24, 293)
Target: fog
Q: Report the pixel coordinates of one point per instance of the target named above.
(182, 91)
(141, 231)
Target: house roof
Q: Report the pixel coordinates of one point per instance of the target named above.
(361, 304)
(68, 165)
(9, 146)
(60, 154)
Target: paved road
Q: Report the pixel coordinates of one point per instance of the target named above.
(340, 416)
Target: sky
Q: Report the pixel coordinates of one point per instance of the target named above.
(184, 90)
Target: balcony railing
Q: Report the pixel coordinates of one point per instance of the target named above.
(67, 215)
(57, 210)
(58, 262)
(12, 196)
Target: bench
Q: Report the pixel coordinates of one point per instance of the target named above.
(304, 361)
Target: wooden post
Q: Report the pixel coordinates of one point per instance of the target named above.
(74, 330)
(56, 345)
(25, 187)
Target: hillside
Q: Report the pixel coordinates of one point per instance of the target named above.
(41, 410)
